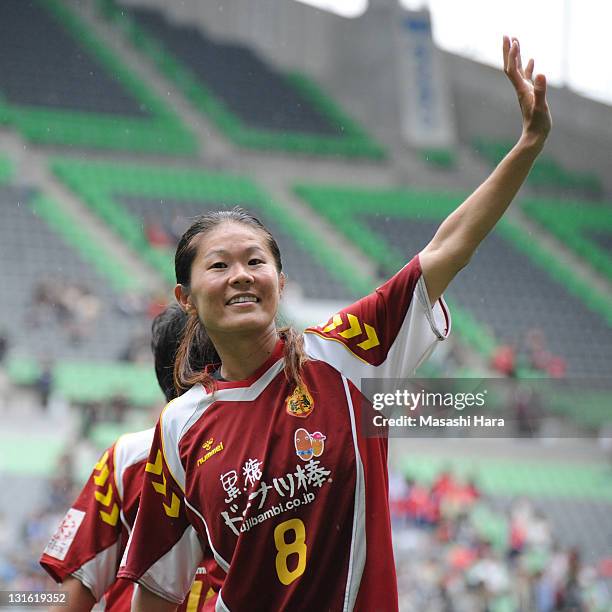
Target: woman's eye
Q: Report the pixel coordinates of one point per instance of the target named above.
(219, 264)
(254, 262)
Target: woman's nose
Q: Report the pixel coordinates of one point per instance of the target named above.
(241, 274)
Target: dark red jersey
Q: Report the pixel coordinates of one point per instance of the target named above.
(91, 539)
(279, 484)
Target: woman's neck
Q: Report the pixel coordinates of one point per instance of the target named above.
(242, 355)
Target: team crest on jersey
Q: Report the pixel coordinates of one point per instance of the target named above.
(308, 445)
(299, 403)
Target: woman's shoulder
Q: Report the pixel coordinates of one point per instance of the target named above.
(181, 408)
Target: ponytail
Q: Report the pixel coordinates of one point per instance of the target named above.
(194, 353)
(295, 355)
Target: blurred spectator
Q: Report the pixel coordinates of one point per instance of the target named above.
(538, 357)
(504, 360)
(448, 565)
(138, 348)
(43, 385)
(4, 344)
(74, 307)
(156, 234)
(526, 410)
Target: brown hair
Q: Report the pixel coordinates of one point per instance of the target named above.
(195, 341)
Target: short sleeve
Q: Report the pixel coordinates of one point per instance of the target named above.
(86, 544)
(163, 551)
(386, 334)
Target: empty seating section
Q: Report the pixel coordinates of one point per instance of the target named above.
(510, 287)
(444, 159)
(254, 104)
(6, 170)
(130, 198)
(38, 266)
(546, 174)
(90, 247)
(583, 227)
(59, 84)
(602, 238)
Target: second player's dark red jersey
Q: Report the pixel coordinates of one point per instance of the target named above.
(91, 539)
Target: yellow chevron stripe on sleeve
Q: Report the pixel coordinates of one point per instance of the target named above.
(155, 468)
(107, 498)
(102, 461)
(173, 509)
(336, 321)
(160, 487)
(101, 478)
(112, 517)
(354, 329)
(372, 339)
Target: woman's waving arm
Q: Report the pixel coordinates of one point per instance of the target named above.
(463, 230)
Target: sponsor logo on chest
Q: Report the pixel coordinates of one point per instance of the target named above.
(210, 450)
(308, 445)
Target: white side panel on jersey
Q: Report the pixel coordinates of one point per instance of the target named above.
(183, 412)
(130, 449)
(100, 572)
(223, 564)
(172, 421)
(220, 604)
(421, 329)
(171, 576)
(359, 544)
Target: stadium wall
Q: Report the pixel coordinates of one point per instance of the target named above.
(484, 105)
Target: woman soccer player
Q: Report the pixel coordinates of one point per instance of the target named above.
(263, 464)
(85, 551)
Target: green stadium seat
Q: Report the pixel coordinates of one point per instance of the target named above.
(308, 121)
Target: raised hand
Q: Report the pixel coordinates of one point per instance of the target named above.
(531, 93)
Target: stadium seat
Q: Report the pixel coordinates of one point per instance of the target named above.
(60, 85)
(584, 227)
(254, 104)
(546, 174)
(126, 197)
(34, 251)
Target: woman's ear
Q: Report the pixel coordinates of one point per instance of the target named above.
(183, 297)
(282, 280)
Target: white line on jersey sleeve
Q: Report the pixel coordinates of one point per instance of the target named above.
(100, 572)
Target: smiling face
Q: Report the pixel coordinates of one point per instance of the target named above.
(234, 284)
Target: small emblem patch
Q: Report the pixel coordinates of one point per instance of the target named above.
(299, 403)
(60, 543)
